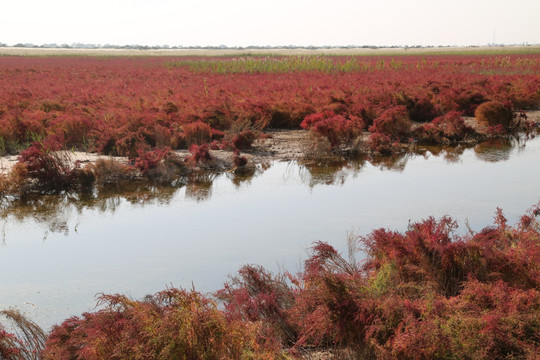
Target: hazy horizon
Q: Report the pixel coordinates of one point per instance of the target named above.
(242, 23)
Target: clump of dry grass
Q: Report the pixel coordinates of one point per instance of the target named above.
(317, 149)
(109, 172)
(169, 169)
(15, 182)
(26, 343)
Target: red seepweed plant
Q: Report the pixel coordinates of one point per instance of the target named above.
(108, 115)
(197, 133)
(448, 129)
(336, 128)
(151, 159)
(256, 296)
(417, 293)
(393, 122)
(426, 293)
(199, 153)
(172, 324)
(51, 168)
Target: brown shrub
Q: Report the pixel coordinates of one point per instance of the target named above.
(108, 171)
(493, 113)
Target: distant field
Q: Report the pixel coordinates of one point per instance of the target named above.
(534, 49)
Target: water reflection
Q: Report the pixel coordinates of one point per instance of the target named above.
(330, 173)
(200, 187)
(55, 210)
(450, 154)
(243, 176)
(499, 149)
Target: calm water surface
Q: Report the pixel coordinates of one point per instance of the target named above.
(57, 253)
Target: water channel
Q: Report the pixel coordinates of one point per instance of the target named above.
(58, 252)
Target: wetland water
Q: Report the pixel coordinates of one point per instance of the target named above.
(57, 253)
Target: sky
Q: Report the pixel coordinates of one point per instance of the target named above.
(274, 23)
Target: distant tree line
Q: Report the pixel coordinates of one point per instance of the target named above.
(208, 47)
(161, 47)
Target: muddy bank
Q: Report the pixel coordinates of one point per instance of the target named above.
(280, 145)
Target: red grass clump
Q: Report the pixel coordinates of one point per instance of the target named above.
(447, 129)
(238, 160)
(52, 169)
(25, 343)
(382, 144)
(172, 324)
(244, 139)
(422, 110)
(197, 133)
(151, 159)
(393, 122)
(428, 293)
(199, 153)
(255, 295)
(337, 129)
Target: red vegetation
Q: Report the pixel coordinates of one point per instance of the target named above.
(238, 160)
(197, 133)
(27, 341)
(49, 167)
(256, 296)
(447, 129)
(337, 129)
(394, 122)
(382, 144)
(173, 324)
(119, 106)
(421, 110)
(244, 139)
(427, 293)
(151, 159)
(199, 153)
(494, 113)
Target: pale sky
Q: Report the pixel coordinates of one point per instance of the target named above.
(274, 23)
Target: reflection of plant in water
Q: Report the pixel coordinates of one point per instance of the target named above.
(395, 162)
(243, 175)
(55, 211)
(499, 149)
(449, 153)
(199, 187)
(330, 173)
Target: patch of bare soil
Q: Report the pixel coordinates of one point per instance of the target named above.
(283, 145)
